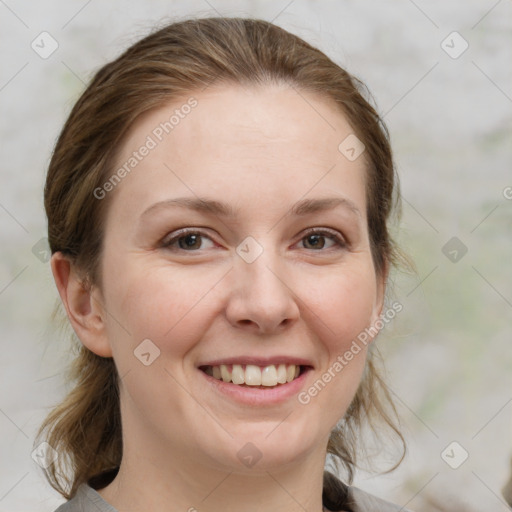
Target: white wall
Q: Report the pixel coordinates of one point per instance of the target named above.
(448, 352)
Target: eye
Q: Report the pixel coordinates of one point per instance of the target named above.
(191, 240)
(187, 240)
(318, 239)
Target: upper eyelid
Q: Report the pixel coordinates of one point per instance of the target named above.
(334, 234)
(177, 234)
(329, 231)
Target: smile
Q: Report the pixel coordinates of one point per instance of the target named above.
(252, 375)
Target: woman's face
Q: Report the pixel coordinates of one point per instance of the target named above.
(239, 237)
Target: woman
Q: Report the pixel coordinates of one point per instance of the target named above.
(217, 210)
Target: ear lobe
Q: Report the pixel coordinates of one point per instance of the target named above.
(382, 280)
(83, 306)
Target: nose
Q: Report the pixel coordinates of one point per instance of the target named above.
(260, 298)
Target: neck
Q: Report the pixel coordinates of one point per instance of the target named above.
(180, 482)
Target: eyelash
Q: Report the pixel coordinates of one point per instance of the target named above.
(327, 233)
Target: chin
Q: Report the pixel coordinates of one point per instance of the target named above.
(272, 448)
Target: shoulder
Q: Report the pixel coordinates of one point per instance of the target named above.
(86, 499)
(360, 501)
(338, 496)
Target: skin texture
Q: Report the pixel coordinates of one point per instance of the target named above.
(259, 150)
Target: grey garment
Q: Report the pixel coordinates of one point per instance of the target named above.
(87, 499)
(360, 501)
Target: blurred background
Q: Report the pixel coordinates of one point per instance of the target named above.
(440, 73)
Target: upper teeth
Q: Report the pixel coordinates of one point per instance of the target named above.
(253, 375)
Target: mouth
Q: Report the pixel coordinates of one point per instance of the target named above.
(254, 376)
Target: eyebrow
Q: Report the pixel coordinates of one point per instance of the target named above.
(300, 208)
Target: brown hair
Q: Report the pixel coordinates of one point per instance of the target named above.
(172, 62)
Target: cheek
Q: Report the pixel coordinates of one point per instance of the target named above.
(339, 311)
(169, 306)
(342, 304)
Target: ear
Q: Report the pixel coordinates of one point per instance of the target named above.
(84, 306)
(380, 295)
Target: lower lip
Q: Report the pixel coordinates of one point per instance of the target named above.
(258, 396)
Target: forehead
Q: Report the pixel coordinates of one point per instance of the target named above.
(232, 140)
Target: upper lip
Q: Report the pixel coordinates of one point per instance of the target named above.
(258, 361)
